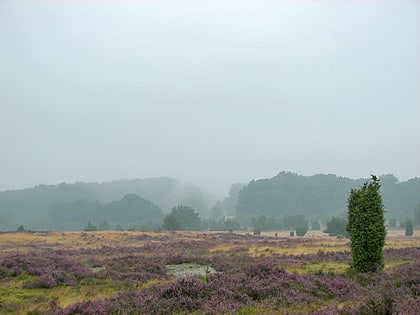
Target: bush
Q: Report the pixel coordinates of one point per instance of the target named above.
(316, 226)
(5, 272)
(301, 230)
(366, 227)
(337, 227)
(392, 222)
(409, 228)
(90, 227)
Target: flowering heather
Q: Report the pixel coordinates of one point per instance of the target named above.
(130, 277)
(52, 269)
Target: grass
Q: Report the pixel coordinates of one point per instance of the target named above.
(324, 267)
(12, 292)
(16, 299)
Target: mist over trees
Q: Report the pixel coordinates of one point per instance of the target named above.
(230, 203)
(319, 197)
(123, 202)
(182, 218)
(286, 201)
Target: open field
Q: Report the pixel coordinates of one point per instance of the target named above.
(196, 272)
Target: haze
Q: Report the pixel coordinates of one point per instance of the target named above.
(209, 92)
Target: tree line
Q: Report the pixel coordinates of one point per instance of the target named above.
(320, 197)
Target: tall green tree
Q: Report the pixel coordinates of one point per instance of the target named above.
(366, 226)
(337, 227)
(171, 223)
(187, 217)
(409, 228)
(217, 211)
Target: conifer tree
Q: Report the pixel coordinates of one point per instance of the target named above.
(366, 227)
(409, 228)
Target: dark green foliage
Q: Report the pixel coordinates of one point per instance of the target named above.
(221, 224)
(292, 233)
(366, 227)
(392, 222)
(284, 194)
(90, 227)
(170, 223)
(187, 217)
(292, 221)
(77, 203)
(21, 229)
(217, 211)
(257, 230)
(265, 224)
(231, 225)
(72, 215)
(409, 228)
(132, 209)
(316, 226)
(230, 202)
(319, 196)
(104, 226)
(301, 230)
(337, 227)
(5, 272)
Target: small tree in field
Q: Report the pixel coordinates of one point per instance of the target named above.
(337, 227)
(409, 228)
(171, 223)
(366, 227)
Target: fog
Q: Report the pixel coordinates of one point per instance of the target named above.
(208, 92)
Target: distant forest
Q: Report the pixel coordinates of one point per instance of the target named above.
(116, 204)
(143, 204)
(320, 196)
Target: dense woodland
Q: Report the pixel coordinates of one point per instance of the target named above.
(284, 201)
(118, 204)
(321, 196)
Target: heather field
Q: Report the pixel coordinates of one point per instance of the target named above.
(201, 273)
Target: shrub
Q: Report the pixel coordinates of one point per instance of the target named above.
(301, 230)
(409, 228)
(316, 226)
(337, 227)
(90, 227)
(366, 227)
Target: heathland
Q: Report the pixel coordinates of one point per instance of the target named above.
(202, 273)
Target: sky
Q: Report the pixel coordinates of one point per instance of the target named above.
(207, 92)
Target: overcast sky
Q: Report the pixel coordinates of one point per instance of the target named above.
(209, 92)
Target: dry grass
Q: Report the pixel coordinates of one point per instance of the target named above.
(10, 242)
(313, 242)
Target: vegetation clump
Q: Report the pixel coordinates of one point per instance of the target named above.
(337, 227)
(182, 218)
(301, 230)
(366, 227)
(409, 228)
